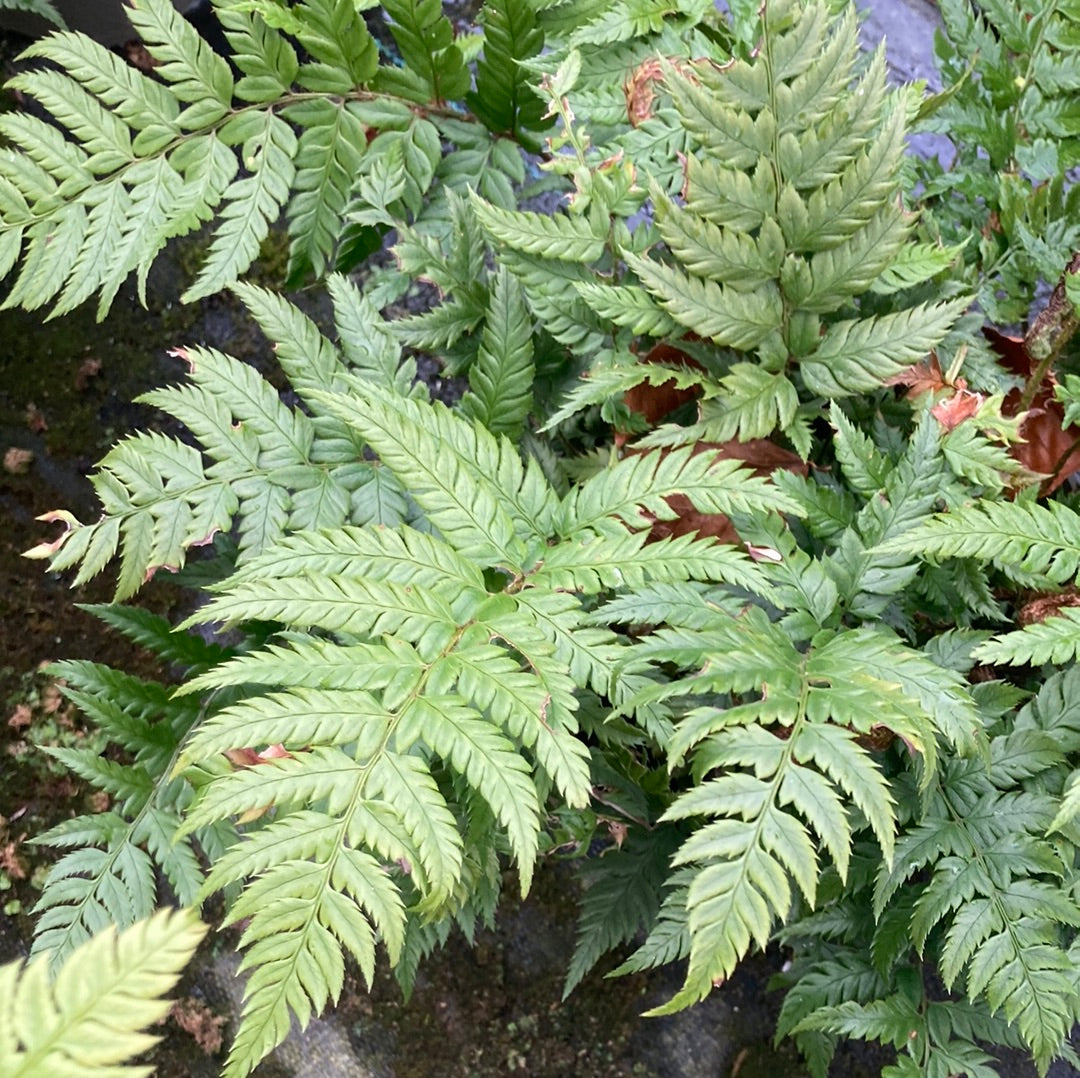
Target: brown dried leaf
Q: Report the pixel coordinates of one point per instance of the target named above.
(925, 377)
(11, 864)
(656, 401)
(952, 411)
(89, 369)
(1049, 448)
(17, 461)
(21, 717)
(639, 90)
(195, 1017)
(1046, 606)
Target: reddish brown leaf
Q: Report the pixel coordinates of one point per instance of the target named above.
(11, 864)
(952, 411)
(195, 1017)
(925, 377)
(1048, 448)
(248, 757)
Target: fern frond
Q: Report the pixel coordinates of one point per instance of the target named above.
(434, 66)
(1055, 640)
(107, 877)
(145, 105)
(329, 154)
(990, 866)
(723, 315)
(43, 8)
(503, 100)
(1027, 537)
(252, 203)
(573, 239)
(760, 820)
(622, 897)
(451, 475)
(595, 563)
(90, 1019)
(343, 53)
(501, 376)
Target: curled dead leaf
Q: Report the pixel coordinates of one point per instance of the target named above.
(1049, 447)
(195, 1017)
(639, 90)
(952, 411)
(88, 370)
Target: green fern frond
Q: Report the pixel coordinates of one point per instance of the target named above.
(760, 820)
(161, 497)
(1027, 537)
(786, 215)
(573, 239)
(330, 151)
(90, 1019)
(252, 203)
(1055, 640)
(622, 897)
(990, 866)
(460, 694)
(501, 376)
(107, 875)
(854, 357)
(503, 99)
(148, 159)
(434, 66)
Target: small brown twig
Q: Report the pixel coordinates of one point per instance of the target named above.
(1048, 335)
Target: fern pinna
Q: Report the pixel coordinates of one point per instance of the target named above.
(91, 1019)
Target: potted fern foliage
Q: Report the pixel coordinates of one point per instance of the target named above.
(744, 524)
